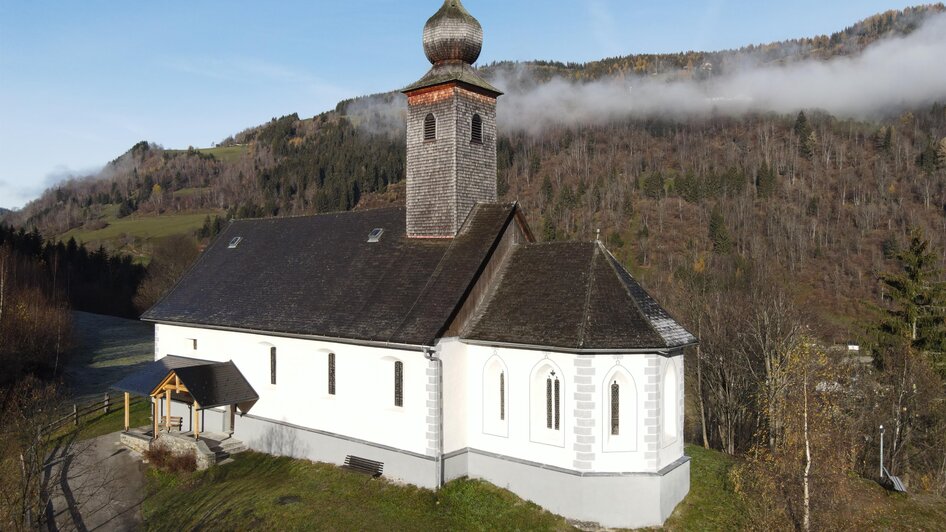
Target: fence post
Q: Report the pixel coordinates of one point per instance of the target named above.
(75, 414)
(106, 402)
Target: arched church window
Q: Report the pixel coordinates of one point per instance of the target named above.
(398, 383)
(476, 136)
(331, 373)
(495, 388)
(502, 395)
(430, 127)
(553, 412)
(272, 365)
(670, 402)
(615, 409)
(547, 388)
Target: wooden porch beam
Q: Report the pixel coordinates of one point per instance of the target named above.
(127, 401)
(167, 409)
(196, 422)
(154, 416)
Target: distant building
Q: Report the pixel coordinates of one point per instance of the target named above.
(440, 339)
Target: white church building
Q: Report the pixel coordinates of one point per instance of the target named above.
(440, 339)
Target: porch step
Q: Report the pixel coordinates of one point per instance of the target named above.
(232, 446)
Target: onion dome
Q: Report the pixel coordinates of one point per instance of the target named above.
(453, 35)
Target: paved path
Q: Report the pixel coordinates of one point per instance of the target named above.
(97, 484)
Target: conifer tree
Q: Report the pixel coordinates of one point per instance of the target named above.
(918, 294)
(805, 135)
(718, 234)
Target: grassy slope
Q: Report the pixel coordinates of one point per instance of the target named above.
(146, 227)
(711, 503)
(225, 154)
(258, 491)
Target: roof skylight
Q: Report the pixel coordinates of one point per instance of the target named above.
(375, 234)
(234, 242)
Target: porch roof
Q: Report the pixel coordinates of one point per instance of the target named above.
(209, 383)
(150, 374)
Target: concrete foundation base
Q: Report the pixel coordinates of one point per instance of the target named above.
(614, 500)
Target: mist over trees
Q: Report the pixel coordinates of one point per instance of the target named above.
(775, 235)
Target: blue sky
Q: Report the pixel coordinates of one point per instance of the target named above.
(81, 82)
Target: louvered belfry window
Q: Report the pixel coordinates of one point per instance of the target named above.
(615, 409)
(502, 396)
(477, 130)
(398, 383)
(331, 373)
(272, 365)
(430, 127)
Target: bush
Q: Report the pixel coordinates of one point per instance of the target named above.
(166, 460)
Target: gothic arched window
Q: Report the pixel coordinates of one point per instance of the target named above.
(476, 136)
(619, 410)
(502, 396)
(398, 383)
(331, 373)
(430, 127)
(495, 388)
(615, 409)
(553, 411)
(670, 402)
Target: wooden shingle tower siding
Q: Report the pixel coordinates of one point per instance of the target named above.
(449, 169)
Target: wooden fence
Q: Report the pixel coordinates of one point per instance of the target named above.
(80, 411)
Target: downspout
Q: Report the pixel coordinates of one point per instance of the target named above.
(431, 355)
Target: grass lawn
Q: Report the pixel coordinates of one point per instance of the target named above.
(711, 503)
(144, 227)
(224, 154)
(102, 424)
(259, 491)
(263, 492)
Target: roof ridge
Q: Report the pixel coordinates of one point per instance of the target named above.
(423, 292)
(630, 296)
(491, 291)
(588, 288)
(315, 214)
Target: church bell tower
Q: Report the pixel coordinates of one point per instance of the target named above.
(451, 128)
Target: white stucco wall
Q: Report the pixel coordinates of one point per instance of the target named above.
(584, 441)
(363, 406)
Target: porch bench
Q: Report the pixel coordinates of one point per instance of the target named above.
(363, 465)
(177, 422)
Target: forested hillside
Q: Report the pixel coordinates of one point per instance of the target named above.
(823, 198)
(771, 235)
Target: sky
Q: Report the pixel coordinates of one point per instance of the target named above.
(81, 82)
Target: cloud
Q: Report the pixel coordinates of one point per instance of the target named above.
(239, 70)
(893, 73)
(63, 173)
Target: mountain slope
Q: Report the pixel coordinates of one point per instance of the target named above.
(824, 199)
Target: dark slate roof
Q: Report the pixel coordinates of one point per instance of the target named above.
(216, 384)
(452, 71)
(143, 380)
(319, 276)
(573, 296)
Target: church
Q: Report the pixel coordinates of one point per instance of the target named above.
(439, 339)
